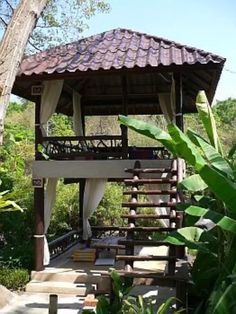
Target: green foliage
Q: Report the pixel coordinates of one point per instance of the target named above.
(216, 258)
(110, 209)
(123, 303)
(14, 279)
(60, 22)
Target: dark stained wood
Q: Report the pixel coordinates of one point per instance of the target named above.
(143, 242)
(171, 264)
(81, 201)
(38, 133)
(149, 181)
(179, 101)
(150, 170)
(39, 227)
(146, 204)
(38, 200)
(136, 229)
(149, 216)
(151, 192)
(144, 258)
(81, 138)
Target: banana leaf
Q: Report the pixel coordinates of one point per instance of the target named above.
(193, 183)
(185, 148)
(149, 131)
(214, 158)
(222, 299)
(207, 118)
(224, 222)
(189, 236)
(223, 187)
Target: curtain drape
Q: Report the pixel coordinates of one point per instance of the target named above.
(77, 114)
(93, 193)
(94, 188)
(49, 100)
(49, 201)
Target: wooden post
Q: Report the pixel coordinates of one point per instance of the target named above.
(53, 301)
(179, 101)
(124, 129)
(81, 201)
(38, 201)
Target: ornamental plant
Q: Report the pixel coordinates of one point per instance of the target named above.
(213, 191)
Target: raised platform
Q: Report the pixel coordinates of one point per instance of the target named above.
(64, 276)
(94, 169)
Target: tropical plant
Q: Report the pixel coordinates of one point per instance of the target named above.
(123, 303)
(214, 201)
(6, 204)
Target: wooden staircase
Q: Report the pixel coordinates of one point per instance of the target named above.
(138, 235)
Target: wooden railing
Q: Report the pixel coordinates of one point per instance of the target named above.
(97, 147)
(90, 147)
(63, 243)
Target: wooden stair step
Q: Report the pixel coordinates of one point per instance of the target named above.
(143, 243)
(151, 170)
(140, 229)
(150, 216)
(149, 274)
(149, 181)
(150, 192)
(149, 204)
(145, 258)
(147, 229)
(107, 246)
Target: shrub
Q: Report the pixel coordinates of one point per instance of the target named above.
(13, 279)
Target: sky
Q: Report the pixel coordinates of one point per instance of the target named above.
(206, 24)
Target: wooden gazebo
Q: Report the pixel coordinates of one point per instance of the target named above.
(115, 72)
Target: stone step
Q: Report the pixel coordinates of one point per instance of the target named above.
(70, 276)
(58, 287)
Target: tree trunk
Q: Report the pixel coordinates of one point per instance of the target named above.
(12, 49)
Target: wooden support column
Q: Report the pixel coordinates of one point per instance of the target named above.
(81, 201)
(179, 101)
(38, 200)
(124, 129)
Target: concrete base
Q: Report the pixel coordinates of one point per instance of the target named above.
(57, 287)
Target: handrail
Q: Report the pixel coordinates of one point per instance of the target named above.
(63, 243)
(81, 138)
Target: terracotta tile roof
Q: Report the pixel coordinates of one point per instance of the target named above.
(115, 49)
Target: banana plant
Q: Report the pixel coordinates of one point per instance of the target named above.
(215, 178)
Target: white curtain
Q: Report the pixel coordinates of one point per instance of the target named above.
(77, 116)
(93, 193)
(49, 201)
(94, 188)
(49, 100)
(167, 103)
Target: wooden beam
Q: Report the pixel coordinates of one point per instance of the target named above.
(81, 201)
(124, 129)
(179, 101)
(39, 227)
(38, 199)
(147, 69)
(38, 133)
